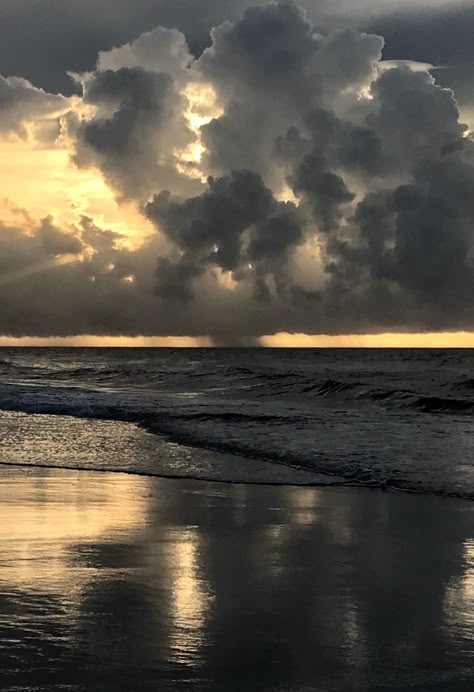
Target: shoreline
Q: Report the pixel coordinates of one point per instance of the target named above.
(317, 485)
(89, 444)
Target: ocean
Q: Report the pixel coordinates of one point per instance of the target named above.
(267, 580)
(392, 419)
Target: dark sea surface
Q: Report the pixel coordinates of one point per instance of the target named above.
(396, 419)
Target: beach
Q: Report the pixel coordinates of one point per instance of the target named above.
(236, 346)
(110, 581)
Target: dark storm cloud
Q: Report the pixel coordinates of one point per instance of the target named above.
(174, 280)
(326, 192)
(235, 225)
(264, 50)
(376, 165)
(212, 224)
(138, 125)
(273, 56)
(410, 251)
(264, 58)
(383, 258)
(46, 295)
(415, 117)
(433, 252)
(329, 144)
(442, 37)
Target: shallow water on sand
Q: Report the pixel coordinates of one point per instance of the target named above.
(120, 583)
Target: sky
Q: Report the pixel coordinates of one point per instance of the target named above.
(201, 172)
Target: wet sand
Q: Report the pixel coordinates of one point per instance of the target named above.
(118, 583)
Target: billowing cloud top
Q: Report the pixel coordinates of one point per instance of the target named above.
(294, 181)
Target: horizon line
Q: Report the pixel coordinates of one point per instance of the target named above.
(445, 339)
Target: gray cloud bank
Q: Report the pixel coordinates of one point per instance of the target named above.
(42, 39)
(339, 194)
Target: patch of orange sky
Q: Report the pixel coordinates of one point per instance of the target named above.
(46, 182)
(281, 340)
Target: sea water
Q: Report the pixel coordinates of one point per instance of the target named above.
(395, 419)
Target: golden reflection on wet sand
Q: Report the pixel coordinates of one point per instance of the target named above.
(190, 599)
(47, 516)
(459, 601)
(303, 504)
(213, 587)
(43, 514)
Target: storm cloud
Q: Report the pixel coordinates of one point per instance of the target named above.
(236, 226)
(295, 182)
(137, 127)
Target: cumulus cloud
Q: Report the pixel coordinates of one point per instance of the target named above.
(58, 36)
(444, 41)
(136, 129)
(271, 69)
(65, 280)
(160, 50)
(22, 103)
(235, 225)
(339, 129)
(313, 189)
(55, 241)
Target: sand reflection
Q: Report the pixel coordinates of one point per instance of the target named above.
(43, 515)
(303, 505)
(86, 539)
(174, 585)
(459, 602)
(190, 598)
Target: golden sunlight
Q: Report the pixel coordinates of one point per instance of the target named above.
(280, 340)
(387, 340)
(110, 341)
(45, 182)
(43, 510)
(189, 597)
(202, 108)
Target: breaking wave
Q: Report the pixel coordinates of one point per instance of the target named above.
(383, 419)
